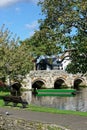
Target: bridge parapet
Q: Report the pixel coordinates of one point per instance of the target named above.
(47, 72)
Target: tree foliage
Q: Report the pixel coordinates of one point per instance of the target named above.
(68, 21)
(43, 42)
(15, 58)
(79, 56)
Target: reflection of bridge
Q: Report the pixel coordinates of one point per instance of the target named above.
(54, 79)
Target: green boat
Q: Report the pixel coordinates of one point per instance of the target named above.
(55, 92)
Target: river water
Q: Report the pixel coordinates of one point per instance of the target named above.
(76, 103)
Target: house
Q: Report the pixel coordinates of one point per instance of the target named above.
(53, 62)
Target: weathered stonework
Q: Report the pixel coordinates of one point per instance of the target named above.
(49, 77)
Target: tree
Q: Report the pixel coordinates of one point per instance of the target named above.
(43, 42)
(62, 17)
(15, 57)
(7, 45)
(79, 56)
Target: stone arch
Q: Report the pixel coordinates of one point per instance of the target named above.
(78, 82)
(38, 83)
(59, 83)
(15, 89)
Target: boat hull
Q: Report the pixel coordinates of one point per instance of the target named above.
(56, 92)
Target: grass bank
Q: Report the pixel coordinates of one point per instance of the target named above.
(54, 110)
(45, 109)
(41, 109)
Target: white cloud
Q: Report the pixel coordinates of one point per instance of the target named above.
(4, 3)
(32, 26)
(7, 2)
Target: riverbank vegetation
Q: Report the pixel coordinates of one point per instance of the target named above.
(56, 111)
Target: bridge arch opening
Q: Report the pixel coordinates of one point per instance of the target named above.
(15, 89)
(38, 84)
(78, 83)
(59, 84)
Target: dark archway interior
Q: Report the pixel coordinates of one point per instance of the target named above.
(15, 89)
(38, 84)
(16, 86)
(77, 83)
(59, 84)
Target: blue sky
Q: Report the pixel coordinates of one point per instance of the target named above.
(20, 16)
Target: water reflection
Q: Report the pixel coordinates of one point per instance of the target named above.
(27, 95)
(77, 103)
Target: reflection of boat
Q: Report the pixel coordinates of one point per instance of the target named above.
(56, 92)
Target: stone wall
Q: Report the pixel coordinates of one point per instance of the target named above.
(8, 123)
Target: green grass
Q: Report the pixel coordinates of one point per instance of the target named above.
(45, 109)
(4, 92)
(54, 110)
(41, 109)
(1, 103)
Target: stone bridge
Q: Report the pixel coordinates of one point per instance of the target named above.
(53, 79)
